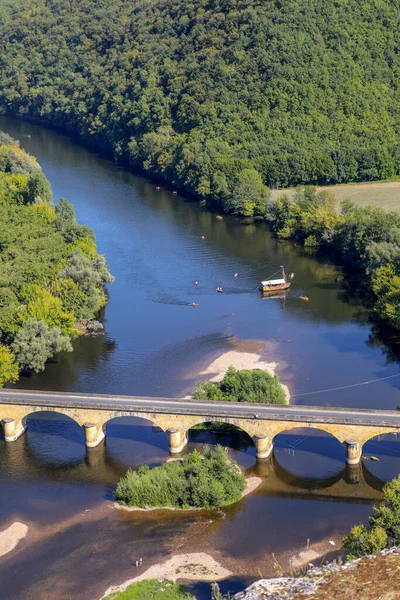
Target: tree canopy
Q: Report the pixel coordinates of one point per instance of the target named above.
(253, 385)
(210, 481)
(51, 277)
(220, 97)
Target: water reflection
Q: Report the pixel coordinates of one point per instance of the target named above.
(152, 241)
(49, 480)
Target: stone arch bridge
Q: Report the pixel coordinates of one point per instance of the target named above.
(352, 427)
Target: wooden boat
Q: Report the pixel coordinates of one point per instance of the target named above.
(275, 285)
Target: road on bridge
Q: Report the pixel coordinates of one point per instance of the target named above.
(307, 414)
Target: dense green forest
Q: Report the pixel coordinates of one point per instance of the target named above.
(220, 97)
(51, 277)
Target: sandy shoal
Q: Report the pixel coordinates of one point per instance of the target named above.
(194, 566)
(10, 537)
(240, 360)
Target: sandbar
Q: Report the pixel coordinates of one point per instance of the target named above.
(10, 537)
(196, 566)
(240, 360)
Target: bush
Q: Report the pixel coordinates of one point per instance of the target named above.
(362, 541)
(384, 527)
(243, 386)
(201, 482)
(152, 589)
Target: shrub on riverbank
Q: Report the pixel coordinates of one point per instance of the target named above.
(242, 386)
(50, 273)
(199, 482)
(384, 525)
(152, 589)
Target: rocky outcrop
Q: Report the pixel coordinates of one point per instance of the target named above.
(282, 588)
(291, 588)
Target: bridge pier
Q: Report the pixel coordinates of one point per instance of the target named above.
(12, 429)
(263, 445)
(353, 450)
(93, 434)
(177, 440)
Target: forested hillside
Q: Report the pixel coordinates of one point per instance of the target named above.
(220, 97)
(51, 277)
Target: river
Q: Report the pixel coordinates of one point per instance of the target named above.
(155, 344)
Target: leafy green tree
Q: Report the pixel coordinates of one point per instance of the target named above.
(65, 214)
(36, 342)
(384, 527)
(250, 195)
(8, 367)
(85, 272)
(208, 482)
(43, 306)
(362, 541)
(39, 189)
(243, 386)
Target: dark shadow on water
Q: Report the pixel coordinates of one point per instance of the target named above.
(305, 483)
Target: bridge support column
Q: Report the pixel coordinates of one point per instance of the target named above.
(12, 429)
(352, 473)
(263, 445)
(177, 440)
(353, 452)
(93, 434)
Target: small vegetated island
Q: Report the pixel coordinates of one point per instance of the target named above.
(51, 277)
(208, 481)
(253, 385)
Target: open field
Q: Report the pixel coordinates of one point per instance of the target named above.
(385, 194)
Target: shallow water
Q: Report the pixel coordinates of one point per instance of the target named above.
(155, 344)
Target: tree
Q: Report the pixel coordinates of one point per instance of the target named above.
(87, 273)
(65, 214)
(43, 306)
(250, 195)
(36, 342)
(8, 367)
(39, 189)
(243, 386)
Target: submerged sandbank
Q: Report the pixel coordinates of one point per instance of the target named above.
(196, 566)
(10, 537)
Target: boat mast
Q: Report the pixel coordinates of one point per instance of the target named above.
(283, 273)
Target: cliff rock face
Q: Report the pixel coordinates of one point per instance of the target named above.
(282, 588)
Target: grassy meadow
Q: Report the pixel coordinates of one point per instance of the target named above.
(385, 194)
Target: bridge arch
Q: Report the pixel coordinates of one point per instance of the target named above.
(231, 435)
(308, 454)
(135, 439)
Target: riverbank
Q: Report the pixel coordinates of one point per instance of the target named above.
(369, 578)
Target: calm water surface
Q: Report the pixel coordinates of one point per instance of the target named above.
(155, 344)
